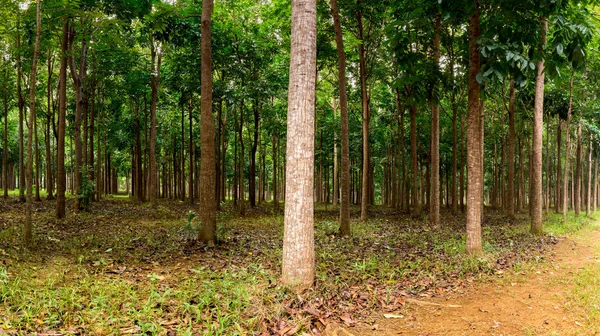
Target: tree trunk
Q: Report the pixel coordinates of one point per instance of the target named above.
(365, 119)
(577, 180)
(252, 182)
(511, 152)
(558, 199)
(565, 195)
(27, 232)
(589, 181)
(208, 210)
(191, 154)
(78, 81)
(536, 146)
(434, 197)
(21, 105)
(344, 131)
(156, 55)
(275, 193)
(61, 178)
(474, 162)
(298, 262)
(415, 167)
(5, 136)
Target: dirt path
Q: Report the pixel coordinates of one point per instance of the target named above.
(529, 304)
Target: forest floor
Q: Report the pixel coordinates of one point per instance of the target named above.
(124, 268)
(559, 297)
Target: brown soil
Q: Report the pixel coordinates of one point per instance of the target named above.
(529, 303)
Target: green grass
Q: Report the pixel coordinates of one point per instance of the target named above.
(124, 267)
(554, 224)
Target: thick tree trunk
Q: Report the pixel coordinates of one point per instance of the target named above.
(298, 262)
(27, 232)
(344, 131)
(474, 162)
(434, 197)
(61, 178)
(208, 209)
(536, 155)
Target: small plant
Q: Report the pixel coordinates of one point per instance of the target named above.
(190, 229)
(86, 191)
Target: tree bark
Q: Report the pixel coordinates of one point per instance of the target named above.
(27, 232)
(208, 209)
(558, 202)
(5, 136)
(365, 119)
(434, 197)
(61, 178)
(577, 180)
(589, 181)
(536, 146)
(156, 55)
(565, 195)
(298, 262)
(21, 105)
(344, 132)
(474, 162)
(510, 206)
(78, 81)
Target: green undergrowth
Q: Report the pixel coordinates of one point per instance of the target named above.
(123, 267)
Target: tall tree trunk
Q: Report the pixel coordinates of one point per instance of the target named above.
(565, 195)
(208, 209)
(252, 182)
(365, 119)
(577, 180)
(156, 55)
(415, 166)
(558, 199)
(182, 158)
(78, 81)
(344, 120)
(474, 162)
(275, 193)
(335, 161)
(61, 178)
(191, 153)
(538, 127)
(588, 206)
(27, 232)
(434, 197)
(298, 262)
(21, 105)
(5, 136)
(511, 152)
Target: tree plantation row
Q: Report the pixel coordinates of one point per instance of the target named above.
(413, 105)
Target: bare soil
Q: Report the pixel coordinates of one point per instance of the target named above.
(528, 303)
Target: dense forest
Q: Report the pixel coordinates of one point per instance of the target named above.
(311, 128)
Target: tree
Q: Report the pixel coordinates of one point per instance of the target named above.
(538, 127)
(345, 173)
(27, 234)
(474, 154)
(207, 164)
(298, 262)
(61, 177)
